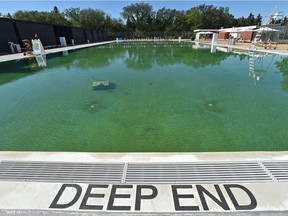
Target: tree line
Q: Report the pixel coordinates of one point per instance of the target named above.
(140, 18)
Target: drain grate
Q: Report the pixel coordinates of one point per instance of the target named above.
(144, 173)
(61, 172)
(278, 169)
(195, 173)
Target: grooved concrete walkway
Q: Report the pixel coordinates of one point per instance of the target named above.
(10, 57)
(213, 198)
(145, 173)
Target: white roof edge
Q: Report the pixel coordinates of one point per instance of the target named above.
(243, 28)
(206, 30)
(234, 29)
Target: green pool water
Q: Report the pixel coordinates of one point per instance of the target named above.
(165, 98)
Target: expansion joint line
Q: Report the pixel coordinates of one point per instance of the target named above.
(125, 168)
(267, 171)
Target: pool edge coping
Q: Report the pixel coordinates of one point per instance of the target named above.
(142, 157)
(17, 56)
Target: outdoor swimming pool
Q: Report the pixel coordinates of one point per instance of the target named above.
(164, 98)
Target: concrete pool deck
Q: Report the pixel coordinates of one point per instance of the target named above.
(143, 157)
(281, 49)
(10, 57)
(39, 189)
(245, 47)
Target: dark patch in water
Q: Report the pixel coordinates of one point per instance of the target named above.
(111, 86)
(93, 106)
(151, 130)
(124, 124)
(211, 106)
(66, 121)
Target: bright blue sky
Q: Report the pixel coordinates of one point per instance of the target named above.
(114, 8)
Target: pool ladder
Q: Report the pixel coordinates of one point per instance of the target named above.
(270, 20)
(257, 38)
(252, 67)
(251, 62)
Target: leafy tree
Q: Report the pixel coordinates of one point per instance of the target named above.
(55, 18)
(194, 18)
(44, 17)
(55, 9)
(114, 25)
(180, 23)
(26, 15)
(207, 16)
(213, 17)
(93, 18)
(87, 18)
(165, 19)
(251, 19)
(241, 21)
(73, 16)
(225, 18)
(7, 15)
(285, 20)
(258, 20)
(138, 16)
(140, 19)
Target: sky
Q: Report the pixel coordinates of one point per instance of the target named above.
(114, 8)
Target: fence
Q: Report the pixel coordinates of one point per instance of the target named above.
(280, 34)
(16, 30)
(167, 35)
